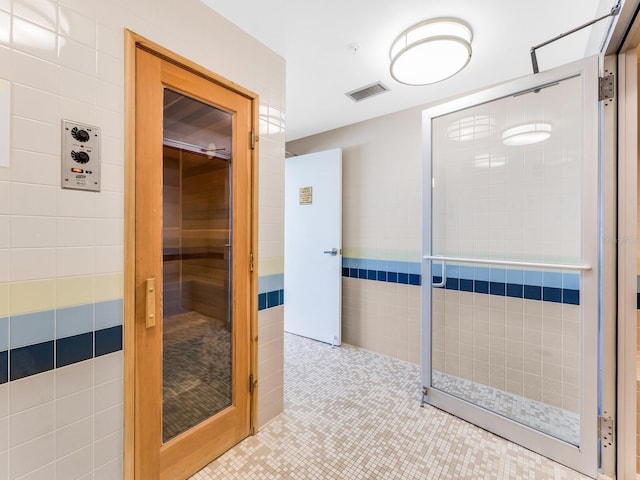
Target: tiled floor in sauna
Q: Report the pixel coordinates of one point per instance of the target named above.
(352, 414)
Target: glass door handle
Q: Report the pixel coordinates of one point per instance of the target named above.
(510, 263)
(443, 281)
(333, 252)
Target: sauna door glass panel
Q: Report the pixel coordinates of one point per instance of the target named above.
(197, 248)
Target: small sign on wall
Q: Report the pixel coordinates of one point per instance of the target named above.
(5, 121)
(306, 195)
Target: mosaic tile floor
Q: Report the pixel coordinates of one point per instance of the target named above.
(555, 421)
(196, 371)
(352, 414)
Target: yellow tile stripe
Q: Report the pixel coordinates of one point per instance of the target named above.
(270, 266)
(382, 254)
(109, 286)
(71, 291)
(35, 296)
(4, 299)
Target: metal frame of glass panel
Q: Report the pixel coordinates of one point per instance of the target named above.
(585, 457)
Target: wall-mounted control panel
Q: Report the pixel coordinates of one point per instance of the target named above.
(80, 156)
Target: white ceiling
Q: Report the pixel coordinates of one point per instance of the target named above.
(314, 38)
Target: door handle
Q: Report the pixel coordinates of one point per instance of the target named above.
(150, 289)
(333, 252)
(443, 280)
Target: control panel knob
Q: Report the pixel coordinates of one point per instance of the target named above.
(80, 134)
(80, 157)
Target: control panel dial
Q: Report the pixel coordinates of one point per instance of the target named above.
(80, 157)
(80, 134)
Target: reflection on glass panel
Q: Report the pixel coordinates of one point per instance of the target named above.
(197, 321)
(507, 181)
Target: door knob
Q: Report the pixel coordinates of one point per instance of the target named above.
(333, 252)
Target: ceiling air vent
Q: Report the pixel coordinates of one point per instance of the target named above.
(367, 92)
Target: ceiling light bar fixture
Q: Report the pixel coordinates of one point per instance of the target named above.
(534, 59)
(430, 51)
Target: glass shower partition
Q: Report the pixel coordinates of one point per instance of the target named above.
(511, 248)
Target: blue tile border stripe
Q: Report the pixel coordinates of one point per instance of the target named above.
(42, 357)
(383, 276)
(271, 283)
(406, 273)
(556, 287)
(49, 325)
(38, 342)
(30, 360)
(108, 340)
(75, 349)
(513, 290)
(4, 367)
(271, 299)
(41, 341)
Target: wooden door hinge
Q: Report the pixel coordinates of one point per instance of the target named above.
(251, 262)
(252, 139)
(252, 383)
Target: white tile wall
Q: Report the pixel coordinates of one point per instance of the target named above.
(31, 424)
(30, 199)
(31, 456)
(526, 347)
(28, 232)
(75, 232)
(527, 206)
(32, 264)
(65, 59)
(36, 168)
(76, 464)
(5, 28)
(74, 437)
(382, 317)
(34, 104)
(69, 204)
(74, 407)
(270, 364)
(4, 198)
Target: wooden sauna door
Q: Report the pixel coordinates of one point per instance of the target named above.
(193, 219)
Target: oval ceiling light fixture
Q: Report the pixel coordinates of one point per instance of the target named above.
(527, 134)
(430, 51)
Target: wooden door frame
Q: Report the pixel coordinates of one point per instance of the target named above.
(133, 41)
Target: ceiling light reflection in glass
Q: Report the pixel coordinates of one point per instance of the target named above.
(471, 128)
(487, 160)
(526, 134)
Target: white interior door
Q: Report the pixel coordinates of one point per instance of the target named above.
(511, 288)
(313, 246)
